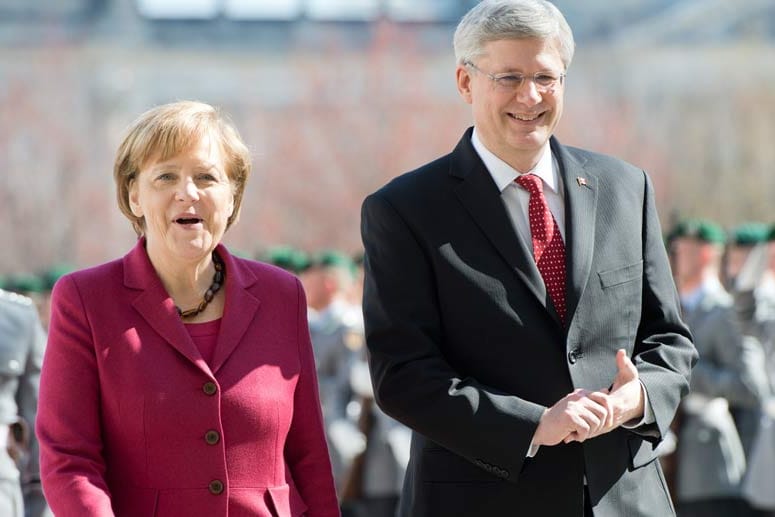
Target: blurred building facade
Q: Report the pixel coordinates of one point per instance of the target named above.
(335, 97)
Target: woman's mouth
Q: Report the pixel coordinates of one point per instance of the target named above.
(188, 220)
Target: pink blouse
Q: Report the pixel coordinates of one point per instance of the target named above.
(205, 337)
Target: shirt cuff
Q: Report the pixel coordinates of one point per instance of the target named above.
(648, 413)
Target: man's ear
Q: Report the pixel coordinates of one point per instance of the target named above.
(463, 77)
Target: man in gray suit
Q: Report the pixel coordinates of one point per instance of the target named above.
(727, 379)
(520, 314)
(22, 342)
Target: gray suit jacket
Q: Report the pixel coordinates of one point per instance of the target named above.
(467, 350)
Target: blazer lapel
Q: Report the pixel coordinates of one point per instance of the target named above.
(156, 306)
(240, 308)
(480, 197)
(581, 191)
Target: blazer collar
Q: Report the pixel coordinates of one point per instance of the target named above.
(481, 198)
(156, 306)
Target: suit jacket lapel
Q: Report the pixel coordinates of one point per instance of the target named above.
(480, 197)
(240, 308)
(581, 191)
(156, 306)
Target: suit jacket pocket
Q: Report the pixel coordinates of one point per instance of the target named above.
(621, 275)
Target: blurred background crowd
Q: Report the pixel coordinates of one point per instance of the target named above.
(335, 97)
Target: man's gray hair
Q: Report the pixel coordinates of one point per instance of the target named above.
(493, 20)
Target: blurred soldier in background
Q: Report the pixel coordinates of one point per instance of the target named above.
(29, 285)
(22, 341)
(744, 239)
(711, 458)
(755, 297)
(372, 485)
(336, 328)
(744, 264)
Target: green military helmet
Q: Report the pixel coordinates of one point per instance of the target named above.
(771, 234)
(700, 229)
(333, 259)
(287, 258)
(748, 234)
(24, 283)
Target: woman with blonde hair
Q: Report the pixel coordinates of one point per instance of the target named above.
(179, 379)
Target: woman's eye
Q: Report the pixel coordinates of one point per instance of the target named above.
(166, 176)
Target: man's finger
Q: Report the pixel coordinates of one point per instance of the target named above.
(624, 364)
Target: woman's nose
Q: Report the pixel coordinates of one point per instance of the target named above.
(187, 191)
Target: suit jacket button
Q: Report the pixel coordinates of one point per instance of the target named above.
(215, 487)
(209, 388)
(212, 437)
(573, 356)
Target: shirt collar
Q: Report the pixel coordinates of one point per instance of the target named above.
(504, 174)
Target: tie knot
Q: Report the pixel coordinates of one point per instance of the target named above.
(531, 183)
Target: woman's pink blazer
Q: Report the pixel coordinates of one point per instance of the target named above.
(132, 422)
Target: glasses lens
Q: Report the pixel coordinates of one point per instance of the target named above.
(545, 80)
(509, 82)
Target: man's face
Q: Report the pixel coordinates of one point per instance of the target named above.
(515, 123)
(735, 259)
(687, 258)
(313, 282)
(771, 256)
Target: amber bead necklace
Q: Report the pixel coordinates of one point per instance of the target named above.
(220, 274)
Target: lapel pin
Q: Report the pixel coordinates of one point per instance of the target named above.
(581, 181)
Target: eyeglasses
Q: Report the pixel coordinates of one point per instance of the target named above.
(510, 82)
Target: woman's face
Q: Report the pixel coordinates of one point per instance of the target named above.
(186, 202)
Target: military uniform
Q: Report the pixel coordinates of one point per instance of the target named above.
(22, 342)
(336, 333)
(757, 307)
(727, 381)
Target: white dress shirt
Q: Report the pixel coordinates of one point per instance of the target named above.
(516, 198)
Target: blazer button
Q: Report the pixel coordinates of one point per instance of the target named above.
(574, 355)
(209, 388)
(215, 487)
(212, 437)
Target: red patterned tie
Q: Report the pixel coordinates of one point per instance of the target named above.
(548, 248)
